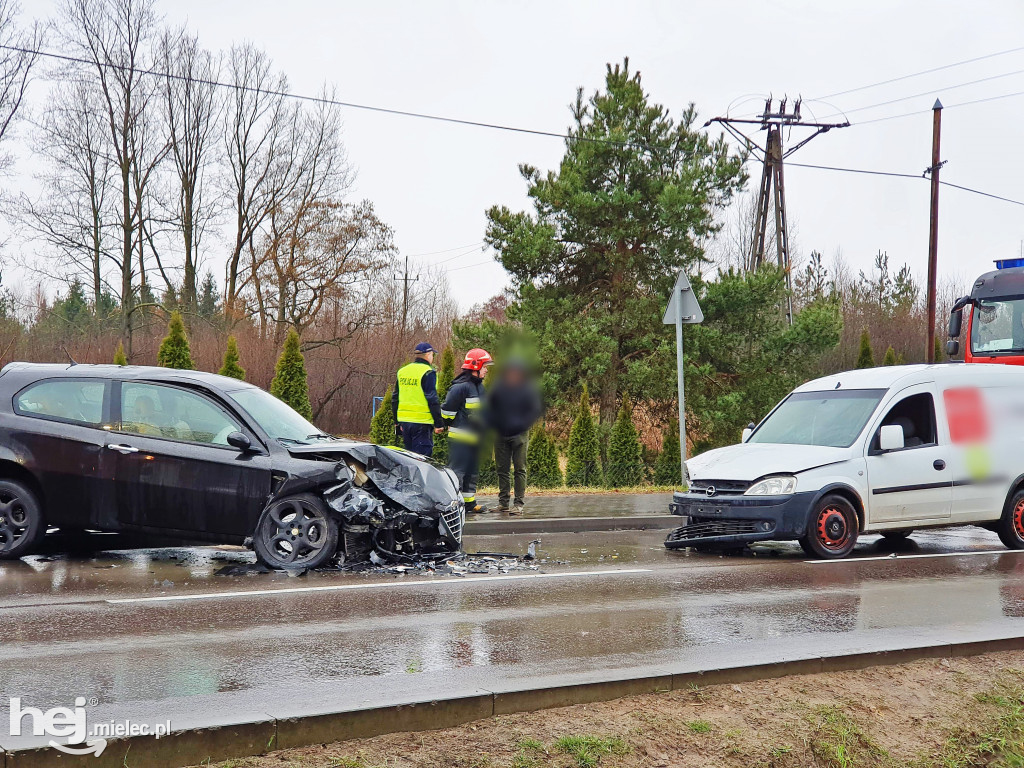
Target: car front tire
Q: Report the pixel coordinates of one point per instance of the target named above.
(22, 526)
(296, 533)
(1011, 525)
(831, 529)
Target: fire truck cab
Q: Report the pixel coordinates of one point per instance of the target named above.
(995, 317)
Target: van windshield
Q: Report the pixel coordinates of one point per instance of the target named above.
(830, 418)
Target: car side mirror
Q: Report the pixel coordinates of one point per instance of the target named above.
(240, 441)
(890, 437)
(746, 434)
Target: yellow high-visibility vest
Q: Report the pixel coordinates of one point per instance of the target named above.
(412, 403)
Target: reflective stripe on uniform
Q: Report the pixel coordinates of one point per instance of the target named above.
(448, 414)
(472, 403)
(463, 435)
(468, 499)
(412, 403)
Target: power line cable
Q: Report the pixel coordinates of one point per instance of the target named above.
(945, 107)
(446, 250)
(919, 74)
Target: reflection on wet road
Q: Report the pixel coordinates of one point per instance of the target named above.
(613, 600)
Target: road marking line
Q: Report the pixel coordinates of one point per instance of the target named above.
(917, 557)
(341, 587)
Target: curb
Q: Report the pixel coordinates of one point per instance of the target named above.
(245, 739)
(569, 524)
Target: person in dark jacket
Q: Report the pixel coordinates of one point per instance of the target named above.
(462, 411)
(513, 406)
(415, 404)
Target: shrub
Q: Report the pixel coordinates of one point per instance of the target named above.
(174, 351)
(119, 356)
(625, 465)
(289, 383)
(445, 377)
(890, 356)
(866, 358)
(542, 460)
(667, 469)
(584, 457)
(231, 366)
(382, 426)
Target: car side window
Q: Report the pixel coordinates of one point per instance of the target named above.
(158, 410)
(74, 400)
(916, 414)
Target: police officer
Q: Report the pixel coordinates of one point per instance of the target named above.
(461, 410)
(415, 403)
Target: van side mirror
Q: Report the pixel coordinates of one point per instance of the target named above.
(239, 440)
(746, 434)
(890, 437)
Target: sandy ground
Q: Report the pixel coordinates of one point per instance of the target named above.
(949, 712)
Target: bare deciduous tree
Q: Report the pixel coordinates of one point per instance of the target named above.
(191, 110)
(17, 61)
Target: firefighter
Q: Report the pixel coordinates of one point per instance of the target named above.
(462, 411)
(415, 404)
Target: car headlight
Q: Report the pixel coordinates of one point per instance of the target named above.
(779, 485)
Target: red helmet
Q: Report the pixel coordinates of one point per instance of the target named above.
(476, 359)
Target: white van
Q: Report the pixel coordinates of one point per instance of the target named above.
(880, 450)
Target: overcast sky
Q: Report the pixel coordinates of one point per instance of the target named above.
(519, 63)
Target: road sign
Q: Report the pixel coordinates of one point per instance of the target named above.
(682, 309)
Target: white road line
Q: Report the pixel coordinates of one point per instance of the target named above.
(917, 557)
(378, 585)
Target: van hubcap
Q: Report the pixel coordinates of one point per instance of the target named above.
(833, 532)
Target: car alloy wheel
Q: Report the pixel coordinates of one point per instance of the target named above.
(21, 521)
(296, 532)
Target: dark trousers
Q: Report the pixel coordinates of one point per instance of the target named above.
(510, 452)
(464, 460)
(418, 438)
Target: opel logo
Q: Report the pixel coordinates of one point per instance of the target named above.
(710, 490)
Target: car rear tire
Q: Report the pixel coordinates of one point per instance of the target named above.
(831, 529)
(896, 535)
(22, 526)
(296, 533)
(1011, 525)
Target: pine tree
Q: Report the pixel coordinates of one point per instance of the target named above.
(289, 382)
(584, 457)
(542, 460)
(174, 351)
(382, 426)
(890, 356)
(865, 359)
(625, 460)
(231, 365)
(119, 356)
(939, 351)
(667, 469)
(445, 377)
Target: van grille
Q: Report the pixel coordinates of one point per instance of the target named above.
(725, 487)
(706, 528)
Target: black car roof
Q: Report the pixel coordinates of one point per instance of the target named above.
(110, 371)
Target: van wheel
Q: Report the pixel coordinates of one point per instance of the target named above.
(1011, 526)
(296, 533)
(831, 529)
(896, 535)
(22, 527)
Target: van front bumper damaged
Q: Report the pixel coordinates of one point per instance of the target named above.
(728, 521)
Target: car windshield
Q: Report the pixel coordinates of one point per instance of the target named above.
(277, 419)
(998, 326)
(831, 418)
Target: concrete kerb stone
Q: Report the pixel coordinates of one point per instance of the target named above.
(569, 524)
(283, 730)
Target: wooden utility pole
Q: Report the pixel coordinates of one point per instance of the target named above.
(933, 228)
(405, 294)
(773, 121)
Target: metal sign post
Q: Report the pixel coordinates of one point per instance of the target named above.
(682, 308)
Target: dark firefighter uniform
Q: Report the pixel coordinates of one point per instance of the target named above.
(416, 407)
(462, 412)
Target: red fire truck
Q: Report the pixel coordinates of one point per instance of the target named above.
(995, 317)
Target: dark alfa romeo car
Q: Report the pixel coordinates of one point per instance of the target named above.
(196, 456)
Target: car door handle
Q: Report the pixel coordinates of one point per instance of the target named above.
(123, 448)
(939, 464)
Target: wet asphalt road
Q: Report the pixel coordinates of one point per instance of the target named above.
(230, 641)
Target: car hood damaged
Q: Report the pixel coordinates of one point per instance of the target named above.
(392, 505)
